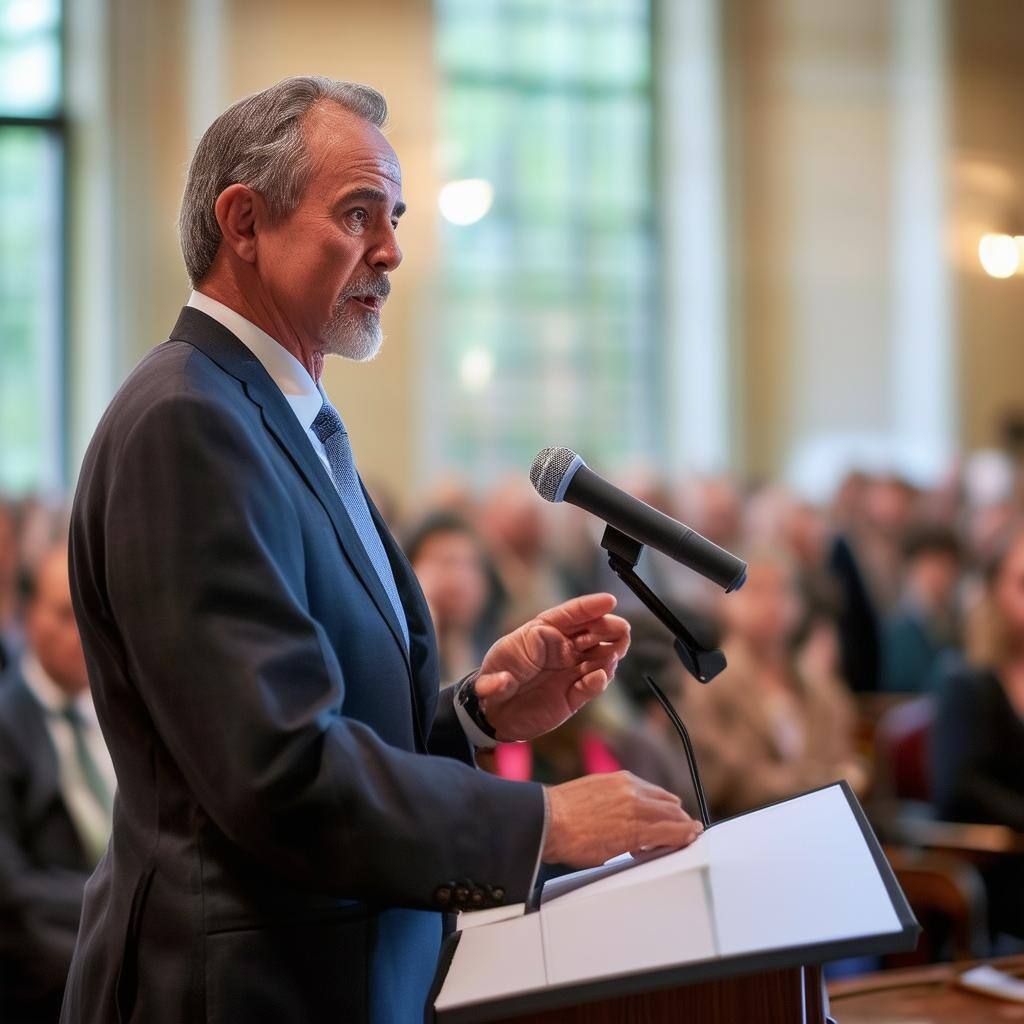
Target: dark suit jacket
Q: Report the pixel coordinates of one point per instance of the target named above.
(285, 768)
(977, 748)
(43, 865)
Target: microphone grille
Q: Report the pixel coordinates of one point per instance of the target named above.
(549, 466)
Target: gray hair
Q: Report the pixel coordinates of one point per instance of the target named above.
(259, 142)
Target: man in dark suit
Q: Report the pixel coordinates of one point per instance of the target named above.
(56, 783)
(297, 802)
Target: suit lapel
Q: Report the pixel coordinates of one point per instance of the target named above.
(219, 344)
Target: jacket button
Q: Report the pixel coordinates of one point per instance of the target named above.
(476, 897)
(443, 895)
(498, 893)
(461, 895)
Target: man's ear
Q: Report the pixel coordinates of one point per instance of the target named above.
(238, 209)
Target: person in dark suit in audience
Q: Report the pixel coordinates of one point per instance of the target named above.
(298, 804)
(56, 788)
(978, 736)
(926, 621)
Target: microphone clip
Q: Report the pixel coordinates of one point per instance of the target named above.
(703, 663)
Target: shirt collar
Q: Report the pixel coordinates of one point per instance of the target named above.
(303, 393)
(48, 693)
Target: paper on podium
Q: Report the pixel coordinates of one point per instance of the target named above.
(800, 874)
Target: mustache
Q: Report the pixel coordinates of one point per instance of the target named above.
(376, 286)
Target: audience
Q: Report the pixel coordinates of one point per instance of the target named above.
(56, 791)
(775, 722)
(860, 595)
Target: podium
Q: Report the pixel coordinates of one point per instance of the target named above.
(733, 928)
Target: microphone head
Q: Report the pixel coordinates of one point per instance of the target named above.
(552, 470)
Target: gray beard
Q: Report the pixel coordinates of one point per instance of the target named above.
(352, 336)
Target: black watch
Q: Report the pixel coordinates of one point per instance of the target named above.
(470, 702)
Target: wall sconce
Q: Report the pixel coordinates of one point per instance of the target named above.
(1001, 255)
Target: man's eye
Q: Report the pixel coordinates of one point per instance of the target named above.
(359, 217)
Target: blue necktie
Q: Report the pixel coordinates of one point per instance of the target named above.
(330, 429)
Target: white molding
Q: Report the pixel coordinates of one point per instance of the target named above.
(692, 199)
(923, 400)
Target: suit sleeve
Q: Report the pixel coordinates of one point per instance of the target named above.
(447, 737)
(204, 567)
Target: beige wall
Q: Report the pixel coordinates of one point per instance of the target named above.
(988, 195)
(811, 144)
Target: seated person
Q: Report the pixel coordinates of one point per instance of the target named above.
(56, 788)
(924, 624)
(978, 736)
(778, 721)
(461, 590)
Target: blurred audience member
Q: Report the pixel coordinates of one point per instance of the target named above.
(860, 630)
(713, 506)
(454, 571)
(56, 791)
(512, 524)
(10, 602)
(978, 737)
(926, 621)
(773, 724)
(450, 492)
(890, 507)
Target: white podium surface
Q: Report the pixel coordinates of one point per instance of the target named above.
(797, 874)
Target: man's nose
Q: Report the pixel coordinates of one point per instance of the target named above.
(386, 255)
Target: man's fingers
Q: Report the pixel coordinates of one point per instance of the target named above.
(603, 651)
(586, 689)
(670, 833)
(490, 684)
(607, 629)
(663, 796)
(571, 615)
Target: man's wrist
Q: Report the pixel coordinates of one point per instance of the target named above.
(474, 723)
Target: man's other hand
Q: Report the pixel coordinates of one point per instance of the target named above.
(534, 678)
(601, 816)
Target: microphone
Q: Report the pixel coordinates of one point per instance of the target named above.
(559, 474)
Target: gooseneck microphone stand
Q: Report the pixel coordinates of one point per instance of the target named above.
(703, 663)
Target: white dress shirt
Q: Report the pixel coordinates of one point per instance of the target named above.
(90, 818)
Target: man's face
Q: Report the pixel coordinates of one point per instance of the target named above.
(52, 631)
(326, 265)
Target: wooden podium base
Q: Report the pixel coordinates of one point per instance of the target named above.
(794, 995)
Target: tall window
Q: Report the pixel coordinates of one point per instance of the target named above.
(31, 253)
(547, 325)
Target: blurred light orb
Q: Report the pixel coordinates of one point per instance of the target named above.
(465, 201)
(999, 255)
(476, 369)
